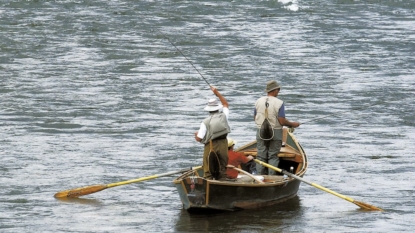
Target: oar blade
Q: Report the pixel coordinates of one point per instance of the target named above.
(358, 203)
(80, 191)
(367, 206)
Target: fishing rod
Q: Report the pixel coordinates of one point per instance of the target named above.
(184, 56)
(318, 118)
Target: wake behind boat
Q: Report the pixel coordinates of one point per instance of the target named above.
(247, 191)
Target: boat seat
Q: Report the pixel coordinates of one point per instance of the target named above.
(287, 152)
(286, 155)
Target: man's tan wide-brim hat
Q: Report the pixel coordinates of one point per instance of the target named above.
(272, 85)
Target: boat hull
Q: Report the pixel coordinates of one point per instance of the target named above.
(230, 196)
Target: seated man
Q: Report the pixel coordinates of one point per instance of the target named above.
(236, 159)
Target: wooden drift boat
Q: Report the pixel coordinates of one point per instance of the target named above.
(197, 193)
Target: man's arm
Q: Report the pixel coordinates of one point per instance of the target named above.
(221, 98)
(285, 122)
(200, 134)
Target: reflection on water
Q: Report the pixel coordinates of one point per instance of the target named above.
(247, 220)
(82, 201)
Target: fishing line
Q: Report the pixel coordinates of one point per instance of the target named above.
(183, 56)
(191, 63)
(318, 118)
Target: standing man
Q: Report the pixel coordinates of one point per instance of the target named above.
(268, 149)
(214, 129)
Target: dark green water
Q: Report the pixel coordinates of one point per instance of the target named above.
(92, 92)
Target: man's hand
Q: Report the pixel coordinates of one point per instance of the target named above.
(295, 124)
(197, 138)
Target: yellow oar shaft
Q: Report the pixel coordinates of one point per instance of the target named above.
(134, 181)
(99, 187)
(148, 177)
(360, 204)
(332, 192)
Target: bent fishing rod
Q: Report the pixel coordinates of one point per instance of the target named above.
(211, 86)
(184, 56)
(337, 113)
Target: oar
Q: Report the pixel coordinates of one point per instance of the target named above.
(358, 203)
(99, 187)
(246, 173)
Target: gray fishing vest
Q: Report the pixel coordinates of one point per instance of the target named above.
(217, 125)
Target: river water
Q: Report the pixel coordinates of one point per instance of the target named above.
(92, 92)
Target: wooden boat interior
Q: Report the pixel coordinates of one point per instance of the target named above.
(291, 156)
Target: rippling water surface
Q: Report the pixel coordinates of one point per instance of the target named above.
(93, 92)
